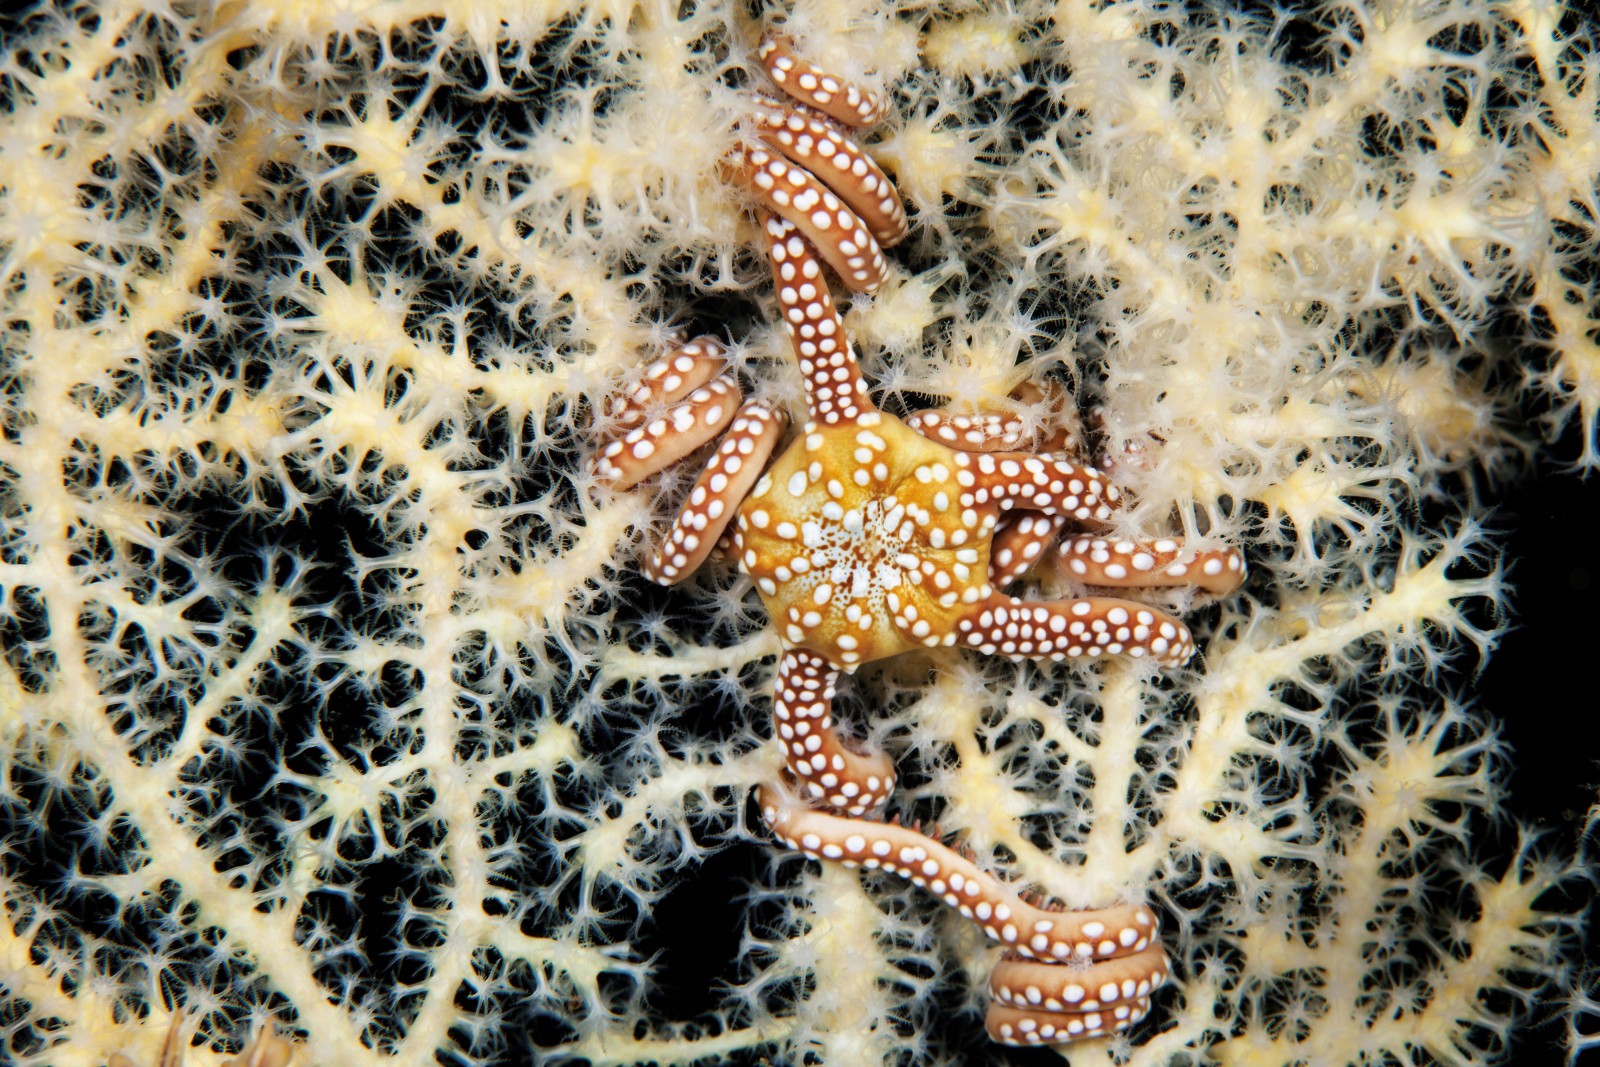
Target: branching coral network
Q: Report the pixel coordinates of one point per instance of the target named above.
(337, 721)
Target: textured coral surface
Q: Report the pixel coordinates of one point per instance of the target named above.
(332, 700)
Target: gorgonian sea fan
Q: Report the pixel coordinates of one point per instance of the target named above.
(333, 702)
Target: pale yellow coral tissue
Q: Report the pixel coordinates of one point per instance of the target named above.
(333, 706)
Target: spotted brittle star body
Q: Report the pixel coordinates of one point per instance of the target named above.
(850, 559)
(866, 540)
(871, 536)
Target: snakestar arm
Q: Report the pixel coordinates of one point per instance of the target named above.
(654, 426)
(866, 539)
(809, 84)
(1098, 561)
(680, 404)
(836, 392)
(830, 771)
(807, 171)
(1065, 975)
(1000, 431)
(826, 151)
(726, 480)
(1022, 538)
(795, 195)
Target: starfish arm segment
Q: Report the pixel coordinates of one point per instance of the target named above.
(1005, 431)
(989, 431)
(825, 220)
(1084, 628)
(667, 381)
(1100, 561)
(1067, 974)
(1020, 540)
(826, 770)
(1036, 1004)
(1048, 484)
(680, 430)
(835, 97)
(823, 148)
(836, 392)
(726, 480)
